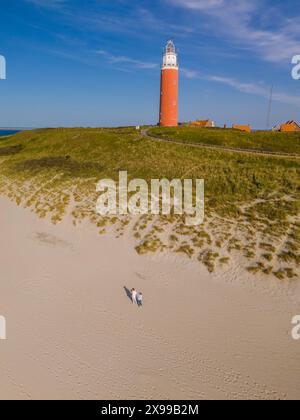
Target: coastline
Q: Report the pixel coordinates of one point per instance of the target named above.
(73, 333)
(8, 133)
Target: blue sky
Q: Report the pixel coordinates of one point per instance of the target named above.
(97, 62)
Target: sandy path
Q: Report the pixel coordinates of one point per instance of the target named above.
(73, 333)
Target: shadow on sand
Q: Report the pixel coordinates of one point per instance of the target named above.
(128, 293)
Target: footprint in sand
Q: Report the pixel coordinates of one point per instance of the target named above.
(47, 239)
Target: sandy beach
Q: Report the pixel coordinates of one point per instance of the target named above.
(72, 332)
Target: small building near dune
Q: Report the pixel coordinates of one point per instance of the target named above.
(203, 123)
(288, 127)
(245, 128)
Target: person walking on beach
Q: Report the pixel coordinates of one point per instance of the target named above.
(134, 296)
(139, 299)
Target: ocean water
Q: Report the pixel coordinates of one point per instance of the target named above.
(8, 132)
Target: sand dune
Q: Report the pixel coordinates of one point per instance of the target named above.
(73, 333)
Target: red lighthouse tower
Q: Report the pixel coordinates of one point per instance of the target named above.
(168, 116)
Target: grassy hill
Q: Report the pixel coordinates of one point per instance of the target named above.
(86, 153)
(260, 140)
(250, 200)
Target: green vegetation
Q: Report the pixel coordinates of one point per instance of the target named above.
(252, 201)
(82, 154)
(260, 140)
(10, 150)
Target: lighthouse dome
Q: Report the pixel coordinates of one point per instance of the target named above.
(170, 48)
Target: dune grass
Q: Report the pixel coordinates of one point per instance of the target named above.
(252, 201)
(87, 155)
(231, 178)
